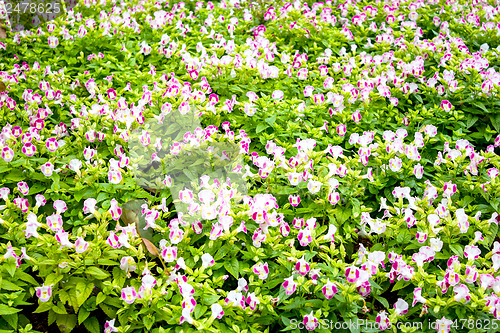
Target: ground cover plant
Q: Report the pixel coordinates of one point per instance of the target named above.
(174, 166)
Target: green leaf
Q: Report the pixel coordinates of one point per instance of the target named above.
(148, 322)
(97, 272)
(490, 236)
(53, 279)
(92, 325)
(270, 120)
(59, 308)
(457, 249)
(15, 175)
(209, 299)
(100, 298)
(221, 253)
(261, 127)
(11, 319)
(26, 277)
(383, 301)
(356, 209)
(82, 315)
(66, 322)
(7, 310)
(10, 266)
(108, 310)
(199, 311)
(83, 292)
(44, 306)
(472, 120)
(400, 285)
(481, 106)
(37, 188)
(233, 267)
(7, 285)
(87, 192)
(495, 121)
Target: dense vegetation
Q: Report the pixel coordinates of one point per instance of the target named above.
(235, 167)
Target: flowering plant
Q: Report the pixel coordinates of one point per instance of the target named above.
(200, 166)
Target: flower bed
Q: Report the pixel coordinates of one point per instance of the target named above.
(225, 167)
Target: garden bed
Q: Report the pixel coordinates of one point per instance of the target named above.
(234, 167)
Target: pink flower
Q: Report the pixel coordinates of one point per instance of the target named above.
(7, 154)
(334, 198)
(329, 289)
(310, 322)
(52, 144)
(294, 200)
(395, 164)
(188, 304)
(262, 270)
(284, 229)
(461, 292)
(302, 267)
(23, 188)
(111, 93)
(277, 95)
(53, 41)
(47, 169)
(418, 171)
(451, 278)
(176, 235)
(443, 325)
(401, 307)
(364, 289)
(40, 200)
(44, 293)
(169, 253)
(252, 300)
(216, 231)
(289, 285)
(382, 320)
(114, 176)
(217, 311)
(186, 196)
(63, 238)
(356, 117)
(417, 297)
(472, 252)
(352, 274)
(341, 129)
(109, 326)
(207, 260)
(54, 222)
(60, 206)
(29, 149)
(115, 211)
(89, 206)
(332, 229)
(471, 274)
(421, 237)
(197, 227)
(148, 281)
(32, 226)
(113, 240)
(323, 70)
(319, 99)
(81, 245)
(302, 74)
(129, 294)
(127, 264)
(446, 105)
(304, 237)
